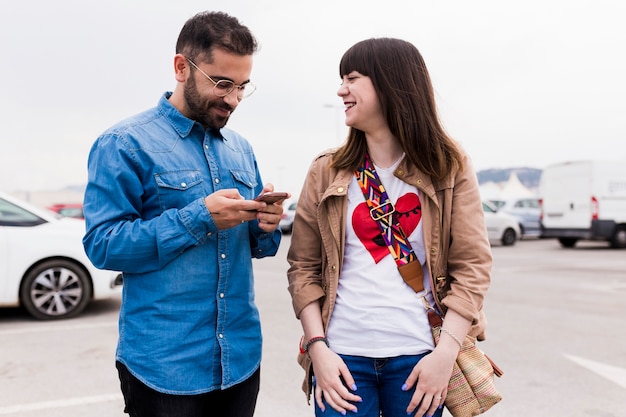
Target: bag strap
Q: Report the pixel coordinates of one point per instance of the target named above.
(382, 212)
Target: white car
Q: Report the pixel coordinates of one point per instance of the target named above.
(286, 221)
(43, 266)
(501, 227)
(526, 209)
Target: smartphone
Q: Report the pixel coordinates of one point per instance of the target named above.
(272, 197)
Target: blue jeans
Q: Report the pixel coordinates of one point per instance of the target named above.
(379, 383)
(142, 401)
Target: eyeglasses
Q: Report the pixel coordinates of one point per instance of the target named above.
(222, 88)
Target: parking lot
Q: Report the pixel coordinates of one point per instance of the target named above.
(556, 327)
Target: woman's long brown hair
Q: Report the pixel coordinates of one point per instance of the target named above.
(407, 99)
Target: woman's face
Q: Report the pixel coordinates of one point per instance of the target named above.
(363, 109)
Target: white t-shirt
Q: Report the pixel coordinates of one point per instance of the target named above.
(376, 313)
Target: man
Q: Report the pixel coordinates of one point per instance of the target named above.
(170, 202)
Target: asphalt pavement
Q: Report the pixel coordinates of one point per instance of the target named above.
(556, 327)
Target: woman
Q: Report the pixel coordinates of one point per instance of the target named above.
(367, 339)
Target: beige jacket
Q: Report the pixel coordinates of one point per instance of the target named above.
(458, 253)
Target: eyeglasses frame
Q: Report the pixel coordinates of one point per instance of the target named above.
(240, 87)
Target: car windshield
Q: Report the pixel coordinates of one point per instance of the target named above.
(489, 208)
(497, 203)
(12, 215)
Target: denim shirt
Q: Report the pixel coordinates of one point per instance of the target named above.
(188, 322)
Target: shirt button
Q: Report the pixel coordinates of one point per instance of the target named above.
(206, 146)
(223, 256)
(221, 295)
(221, 336)
(340, 190)
(209, 234)
(400, 172)
(217, 180)
(183, 184)
(418, 182)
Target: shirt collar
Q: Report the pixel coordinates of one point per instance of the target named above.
(182, 124)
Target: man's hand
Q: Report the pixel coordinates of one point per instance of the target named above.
(270, 215)
(230, 209)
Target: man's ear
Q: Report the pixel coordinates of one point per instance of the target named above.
(181, 68)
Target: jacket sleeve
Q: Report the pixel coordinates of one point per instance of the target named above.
(469, 258)
(117, 237)
(305, 253)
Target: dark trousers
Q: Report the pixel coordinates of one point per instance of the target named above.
(142, 401)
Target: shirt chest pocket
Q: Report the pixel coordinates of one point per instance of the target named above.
(245, 182)
(177, 189)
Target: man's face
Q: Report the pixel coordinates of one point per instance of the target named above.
(203, 105)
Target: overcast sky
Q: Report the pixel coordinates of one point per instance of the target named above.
(518, 83)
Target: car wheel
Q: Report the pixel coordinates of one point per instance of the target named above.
(618, 241)
(568, 242)
(55, 289)
(509, 237)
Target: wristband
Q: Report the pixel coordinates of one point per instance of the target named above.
(308, 344)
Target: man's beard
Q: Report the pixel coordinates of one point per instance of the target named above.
(199, 107)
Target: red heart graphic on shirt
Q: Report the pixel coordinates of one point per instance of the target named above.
(408, 211)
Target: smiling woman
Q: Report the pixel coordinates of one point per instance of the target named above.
(389, 212)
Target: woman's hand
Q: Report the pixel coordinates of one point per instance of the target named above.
(329, 370)
(432, 374)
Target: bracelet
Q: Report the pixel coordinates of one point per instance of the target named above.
(449, 333)
(308, 344)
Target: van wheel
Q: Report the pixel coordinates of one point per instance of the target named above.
(568, 242)
(618, 241)
(509, 237)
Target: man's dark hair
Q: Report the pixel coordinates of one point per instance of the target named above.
(209, 30)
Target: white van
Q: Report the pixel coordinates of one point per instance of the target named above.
(584, 200)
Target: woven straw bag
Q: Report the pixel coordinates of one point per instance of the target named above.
(471, 390)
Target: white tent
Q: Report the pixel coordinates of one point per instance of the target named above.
(514, 188)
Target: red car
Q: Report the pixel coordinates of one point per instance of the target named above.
(74, 210)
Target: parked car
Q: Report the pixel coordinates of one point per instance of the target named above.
(68, 210)
(501, 227)
(43, 266)
(526, 209)
(286, 222)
